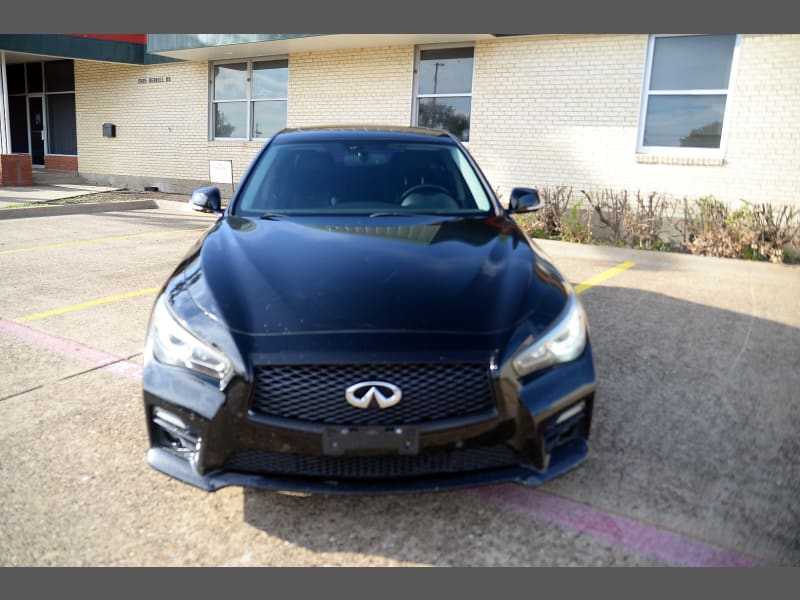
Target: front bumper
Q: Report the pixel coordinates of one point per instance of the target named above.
(524, 424)
(563, 459)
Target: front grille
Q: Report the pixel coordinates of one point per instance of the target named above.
(316, 393)
(462, 460)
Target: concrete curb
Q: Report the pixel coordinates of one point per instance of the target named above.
(75, 209)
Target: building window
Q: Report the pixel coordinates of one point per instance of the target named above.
(249, 99)
(444, 90)
(62, 133)
(30, 84)
(686, 95)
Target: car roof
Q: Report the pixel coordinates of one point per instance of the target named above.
(366, 132)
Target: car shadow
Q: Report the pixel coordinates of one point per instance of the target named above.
(695, 431)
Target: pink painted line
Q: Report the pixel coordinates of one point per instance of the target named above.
(616, 530)
(74, 350)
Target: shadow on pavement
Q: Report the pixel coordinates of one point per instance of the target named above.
(695, 430)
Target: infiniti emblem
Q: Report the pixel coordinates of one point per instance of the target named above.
(362, 394)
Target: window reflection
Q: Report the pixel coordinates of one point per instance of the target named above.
(268, 118)
(687, 91)
(250, 99)
(230, 82)
(450, 114)
(270, 79)
(446, 71)
(444, 90)
(692, 62)
(684, 121)
(230, 120)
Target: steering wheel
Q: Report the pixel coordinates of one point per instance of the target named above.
(431, 187)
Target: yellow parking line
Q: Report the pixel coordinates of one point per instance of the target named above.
(593, 281)
(100, 240)
(91, 303)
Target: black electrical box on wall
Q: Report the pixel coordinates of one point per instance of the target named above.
(109, 130)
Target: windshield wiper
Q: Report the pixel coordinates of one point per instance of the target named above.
(272, 216)
(401, 213)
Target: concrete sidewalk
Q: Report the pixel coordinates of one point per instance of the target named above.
(47, 193)
(51, 188)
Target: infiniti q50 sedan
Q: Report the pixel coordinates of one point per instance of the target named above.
(366, 317)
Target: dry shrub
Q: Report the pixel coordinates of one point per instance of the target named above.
(646, 222)
(710, 231)
(639, 224)
(775, 227)
(704, 226)
(612, 208)
(548, 221)
(754, 231)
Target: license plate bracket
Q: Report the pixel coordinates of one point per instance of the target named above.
(337, 441)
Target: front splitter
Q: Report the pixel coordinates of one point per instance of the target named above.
(562, 460)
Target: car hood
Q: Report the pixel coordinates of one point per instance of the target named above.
(407, 274)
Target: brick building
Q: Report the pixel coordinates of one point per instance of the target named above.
(682, 115)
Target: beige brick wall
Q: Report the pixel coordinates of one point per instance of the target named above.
(763, 153)
(556, 110)
(547, 110)
(162, 128)
(366, 85)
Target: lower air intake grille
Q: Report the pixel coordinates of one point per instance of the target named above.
(372, 467)
(316, 393)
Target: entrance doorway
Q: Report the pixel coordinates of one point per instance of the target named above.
(41, 103)
(37, 129)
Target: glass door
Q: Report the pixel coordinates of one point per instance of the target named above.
(37, 129)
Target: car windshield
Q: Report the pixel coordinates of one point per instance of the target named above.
(363, 177)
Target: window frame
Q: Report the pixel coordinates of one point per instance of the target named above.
(677, 151)
(249, 100)
(415, 95)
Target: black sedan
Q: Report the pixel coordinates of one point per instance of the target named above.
(365, 316)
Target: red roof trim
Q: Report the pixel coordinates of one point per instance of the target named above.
(129, 38)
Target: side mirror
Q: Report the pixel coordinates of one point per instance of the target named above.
(524, 200)
(206, 199)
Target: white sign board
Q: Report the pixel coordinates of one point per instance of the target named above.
(220, 171)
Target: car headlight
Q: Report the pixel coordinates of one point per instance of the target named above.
(171, 343)
(562, 342)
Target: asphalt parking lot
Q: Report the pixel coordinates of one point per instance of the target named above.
(694, 460)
